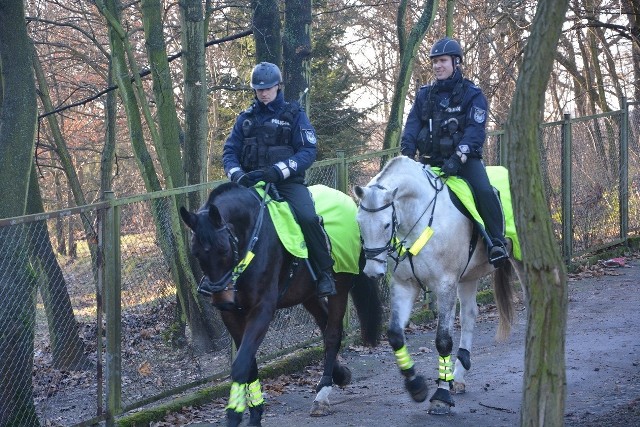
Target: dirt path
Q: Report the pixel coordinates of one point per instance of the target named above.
(602, 359)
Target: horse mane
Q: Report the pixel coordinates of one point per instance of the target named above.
(221, 189)
(396, 167)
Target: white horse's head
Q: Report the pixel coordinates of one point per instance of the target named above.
(378, 225)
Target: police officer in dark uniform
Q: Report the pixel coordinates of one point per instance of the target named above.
(273, 141)
(446, 126)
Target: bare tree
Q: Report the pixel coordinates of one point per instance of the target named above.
(18, 116)
(266, 31)
(545, 286)
(408, 46)
(296, 44)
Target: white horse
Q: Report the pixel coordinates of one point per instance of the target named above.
(406, 213)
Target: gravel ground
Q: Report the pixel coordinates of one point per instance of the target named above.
(602, 361)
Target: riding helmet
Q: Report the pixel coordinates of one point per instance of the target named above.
(446, 46)
(265, 75)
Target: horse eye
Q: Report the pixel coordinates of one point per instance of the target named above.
(387, 225)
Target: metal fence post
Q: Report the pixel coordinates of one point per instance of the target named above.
(503, 148)
(624, 169)
(342, 174)
(567, 226)
(110, 237)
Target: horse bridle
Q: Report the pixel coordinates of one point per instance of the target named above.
(206, 286)
(372, 253)
(394, 244)
(228, 280)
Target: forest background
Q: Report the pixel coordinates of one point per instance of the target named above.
(182, 70)
(353, 59)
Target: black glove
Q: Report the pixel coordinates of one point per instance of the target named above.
(406, 152)
(246, 179)
(452, 165)
(271, 174)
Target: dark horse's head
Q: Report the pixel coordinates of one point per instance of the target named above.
(219, 237)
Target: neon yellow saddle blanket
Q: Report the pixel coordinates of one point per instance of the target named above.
(338, 212)
(499, 178)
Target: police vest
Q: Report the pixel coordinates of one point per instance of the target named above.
(268, 143)
(443, 122)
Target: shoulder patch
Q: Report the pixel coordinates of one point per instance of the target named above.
(479, 115)
(308, 135)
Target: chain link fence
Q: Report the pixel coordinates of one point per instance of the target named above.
(71, 344)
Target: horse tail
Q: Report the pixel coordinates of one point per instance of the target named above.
(503, 291)
(366, 299)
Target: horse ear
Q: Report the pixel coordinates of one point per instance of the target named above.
(188, 218)
(215, 217)
(357, 190)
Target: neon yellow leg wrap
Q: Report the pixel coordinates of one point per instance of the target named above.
(403, 358)
(254, 394)
(445, 368)
(237, 398)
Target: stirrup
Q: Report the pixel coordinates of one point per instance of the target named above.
(498, 255)
(326, 286)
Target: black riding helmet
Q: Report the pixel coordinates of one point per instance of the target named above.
(265, 75)
(446, 46)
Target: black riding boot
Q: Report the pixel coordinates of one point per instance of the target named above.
(498, 254)
(326, 284)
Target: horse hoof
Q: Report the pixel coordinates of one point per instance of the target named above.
(441, 402)
(233, 418)
(255, 416)
(458, 388)
(320, 409)
(417, 387)
(438, 407)
(342, 377)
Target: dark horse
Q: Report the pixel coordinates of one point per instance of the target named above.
(233, 224)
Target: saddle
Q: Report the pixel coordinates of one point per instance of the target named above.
(338, 212)
(465, 202)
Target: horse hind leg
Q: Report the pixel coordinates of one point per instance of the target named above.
(403, 298)
(329, 320)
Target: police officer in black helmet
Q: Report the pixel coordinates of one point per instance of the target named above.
(446, 127)
(273, 141)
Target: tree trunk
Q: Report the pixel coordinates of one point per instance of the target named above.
(18, 116)
(633, 13)
(266, 31)
(170, 237)
(544, 388)
(408, 49)
(296, 50)
(195, 99)
(67, 348)
(108, 155)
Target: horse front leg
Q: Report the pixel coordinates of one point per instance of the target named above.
(467, 292)
(245, 387)
(253, 393)
(402, 299)
(442, 401)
